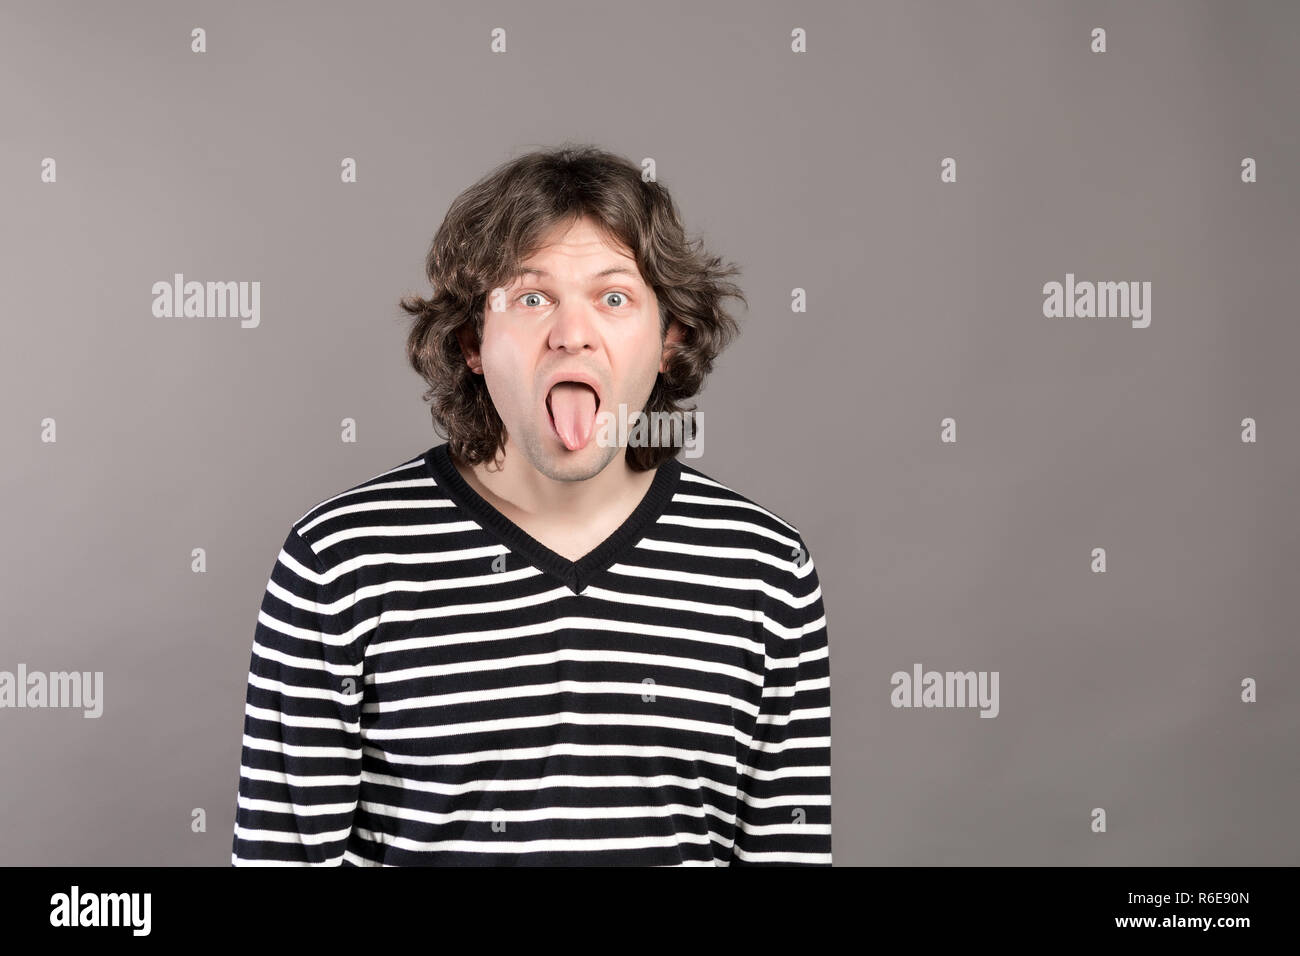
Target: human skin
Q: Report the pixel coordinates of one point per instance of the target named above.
(561, 318)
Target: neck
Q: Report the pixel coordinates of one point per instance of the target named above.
(514, 484)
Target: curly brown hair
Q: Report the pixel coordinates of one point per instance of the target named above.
(503, 219)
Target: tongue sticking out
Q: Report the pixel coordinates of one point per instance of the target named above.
(573, 408)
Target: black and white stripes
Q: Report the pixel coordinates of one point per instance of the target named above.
(431, 686)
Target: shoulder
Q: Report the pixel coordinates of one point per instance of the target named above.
(712, 505)
(781, 568)
(362, 516)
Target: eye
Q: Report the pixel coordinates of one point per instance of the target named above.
(531, 295)
(620, 295)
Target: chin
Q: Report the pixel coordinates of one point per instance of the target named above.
(560, 464)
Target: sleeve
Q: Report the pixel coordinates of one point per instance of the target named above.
(300, 760)
(783, 814)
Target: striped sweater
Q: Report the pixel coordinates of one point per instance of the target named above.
(430, 685)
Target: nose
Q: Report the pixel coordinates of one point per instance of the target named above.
(572, 328)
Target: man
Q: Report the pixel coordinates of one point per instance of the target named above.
(536, 644)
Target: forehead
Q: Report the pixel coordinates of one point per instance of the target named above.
(622, 270)
(581, 251)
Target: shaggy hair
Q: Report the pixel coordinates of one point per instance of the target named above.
(500, 221)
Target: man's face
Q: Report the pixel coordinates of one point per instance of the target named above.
(581, 306)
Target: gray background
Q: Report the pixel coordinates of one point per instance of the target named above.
(819, 171)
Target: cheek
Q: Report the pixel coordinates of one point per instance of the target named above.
(503, 368)
(640, 362)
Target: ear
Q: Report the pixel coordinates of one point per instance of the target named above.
(672, 339)
(469, 347)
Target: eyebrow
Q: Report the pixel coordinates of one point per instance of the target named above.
(612, 270)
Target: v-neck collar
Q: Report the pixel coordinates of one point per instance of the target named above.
(575, 575)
